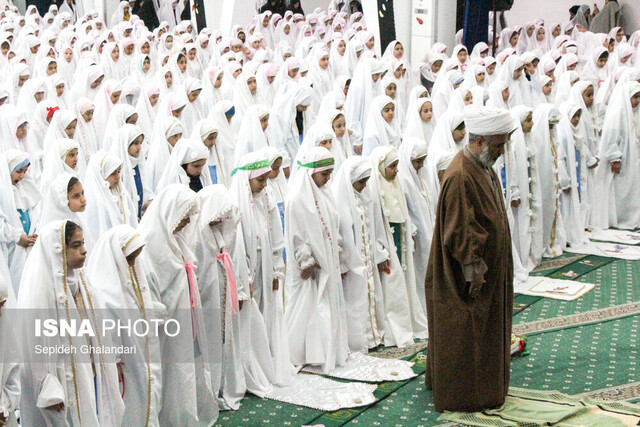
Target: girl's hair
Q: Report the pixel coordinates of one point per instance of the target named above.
(72, 182)
(69, 230)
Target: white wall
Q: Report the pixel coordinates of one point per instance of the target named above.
(524, 11)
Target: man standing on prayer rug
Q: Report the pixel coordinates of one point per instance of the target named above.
(469, 284)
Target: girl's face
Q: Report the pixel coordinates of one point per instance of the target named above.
(327, 143)
(71, 159)
(370, 43)
(115, 54)
(480, 78)
(115, 97)
(75, 196)
(398, 73)
(556, 31)
(237, 72)
(391, 171)
(182, 63)
(146, 65)
(339, 126)
(135, 147)
(70, 130)
(97, 82)
(635, 101)
(252, 85)
(388, 112)
(505, 94)
(540, 35)
(468, 99)
(168, 79)
(218, 81)
(153, 99)
(174, 139)
(490, 69)
(128, 50)
(22, 79)
(21, 131)
(258, 184)
(39, 96)
(324, 62)
(52, 68)
(68, 55)
(210, 139)
(587, 96)
(619, 35)
(575, 120)
(462, 56)
(275, 168)
(546, 89)
(114, 179)
(426, 112)
(551, 74)
(146, 48)
(360, 185)
(88, 115)
(342, 47)
(177, 113)
(60, 89)
(517, 73)
(264, 122)
(321, 178)
(459, 133)
(17, 176)
(602, 61)
(418, 163)
(514, 39)
(527, 123)
(398, 51)
(193, 95)
(293, 72)
(390, 90)
(195, 168)
(435, 67)
(191, 55)
(4, 48)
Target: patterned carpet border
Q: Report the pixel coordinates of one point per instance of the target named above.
(400, 353)
(549, 265)
(578, 319)
(623, 392)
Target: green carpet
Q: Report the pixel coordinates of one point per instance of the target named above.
(585, 347)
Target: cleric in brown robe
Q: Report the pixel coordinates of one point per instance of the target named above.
(469, 283)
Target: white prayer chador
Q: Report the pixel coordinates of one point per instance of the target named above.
(159, 148)
(217, 281)
(362, 90)
(185, 151)
(362, 287)
(24, 196)
(86, 385)
(226, 139)
(527, 228)
(548, 158)
(420, 204)
(283, 114)
(10, 388)
(620, 194)
(187, 398)
(264, 243)
(315, 307)
(216, 166)
(251, 137)
(405, 316)
(106, 207)
(443, 147)
(415, 126)
(122, 290)
(86, 132)
(569, 137)
(55, 205)
(380, 133)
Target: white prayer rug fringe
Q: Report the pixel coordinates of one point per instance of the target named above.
(324, 394)
(361, 367)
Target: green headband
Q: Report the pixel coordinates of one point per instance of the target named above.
(319, 164)
(262, 164)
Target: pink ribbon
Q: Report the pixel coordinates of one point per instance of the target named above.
(192, 295)
(228, 268)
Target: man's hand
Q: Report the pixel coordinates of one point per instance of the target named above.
(309, 272)
(58, 407)
(475, 287)
(616, 167)
(27, 241)
(515, 203)
(275, 285)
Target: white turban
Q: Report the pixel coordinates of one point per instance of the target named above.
(484, 121)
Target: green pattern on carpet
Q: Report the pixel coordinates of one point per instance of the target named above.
(521, 302)
(580, 267)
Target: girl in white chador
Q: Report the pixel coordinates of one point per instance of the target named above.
(421, 205)
(315, 307)
(121, 288)
(264, 243)
(405, 316)
(545, 118)
(618, 172)
(186, 165)
(10, 367)
(382, 127)
(159, 147)
(362, 286)
(187, 398)
(64, 389)
(19, 198)
(222, 292)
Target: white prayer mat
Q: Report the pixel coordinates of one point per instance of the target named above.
(361, 367)
(566, 290)
(324, 394)
(615, 236)
(613, 250)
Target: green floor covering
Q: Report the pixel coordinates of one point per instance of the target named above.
(601, 359)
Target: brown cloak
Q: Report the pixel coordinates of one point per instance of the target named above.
(468, 357)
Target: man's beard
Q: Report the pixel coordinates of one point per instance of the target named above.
(485, 157)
